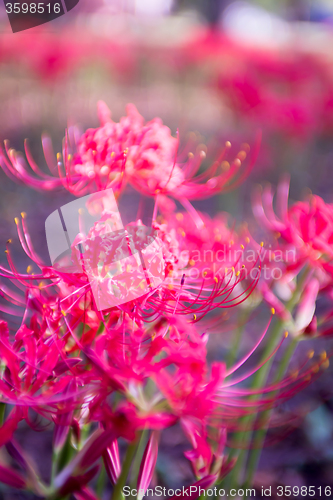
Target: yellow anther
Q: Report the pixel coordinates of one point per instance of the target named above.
(315, 369)
(179, 216)
(59, 157)
(243, 266)
(81, 211)
(225, 165)
(326, 364)
(262, 244)
(238, 273)
(247, 240)
(216, 280)
(190, 156)
(311, 354)
(242, 247)
(113, 154)
(272, 310)
(286, 334)
(23, 215)
(9, 241)
(205, 274)
(231, 242)
(194, 317)
(228, 144)
(323, 356)
(69, 157)
(6, 251)
(16, 221)
(242, 155)
(192, 262)
(29, 269)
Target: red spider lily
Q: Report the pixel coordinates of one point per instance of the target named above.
(144, 155)
(159, 377)
(181, 292)
(112, 461)
(32, 378)
(207, 456)
(305, 226)
(12, 478)
(181, 385)
(302, 240)
(276, 92)
(190, 390)
(147, 465)
(142, 363)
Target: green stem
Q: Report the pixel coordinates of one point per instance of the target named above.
(2, 412)
(61, 458)
(260, 435)
(258, 380)
(232, 355)
(138, 458)
(117, 493)
(101, 482)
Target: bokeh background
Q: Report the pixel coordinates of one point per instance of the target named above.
(221, 69)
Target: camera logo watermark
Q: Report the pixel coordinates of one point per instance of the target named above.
(24, 15)
(121, 263)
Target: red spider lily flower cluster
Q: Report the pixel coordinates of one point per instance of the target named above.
(144, 155)
(302, 237)
(105, 376)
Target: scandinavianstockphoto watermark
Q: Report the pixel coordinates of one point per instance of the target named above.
(264, 491)
(122, 263)
(26, 14)
(162, 491)
(227, 261)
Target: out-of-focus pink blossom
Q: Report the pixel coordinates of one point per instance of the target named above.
(111, 460)
(131, 151)
(147, 465)
(305, 226)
